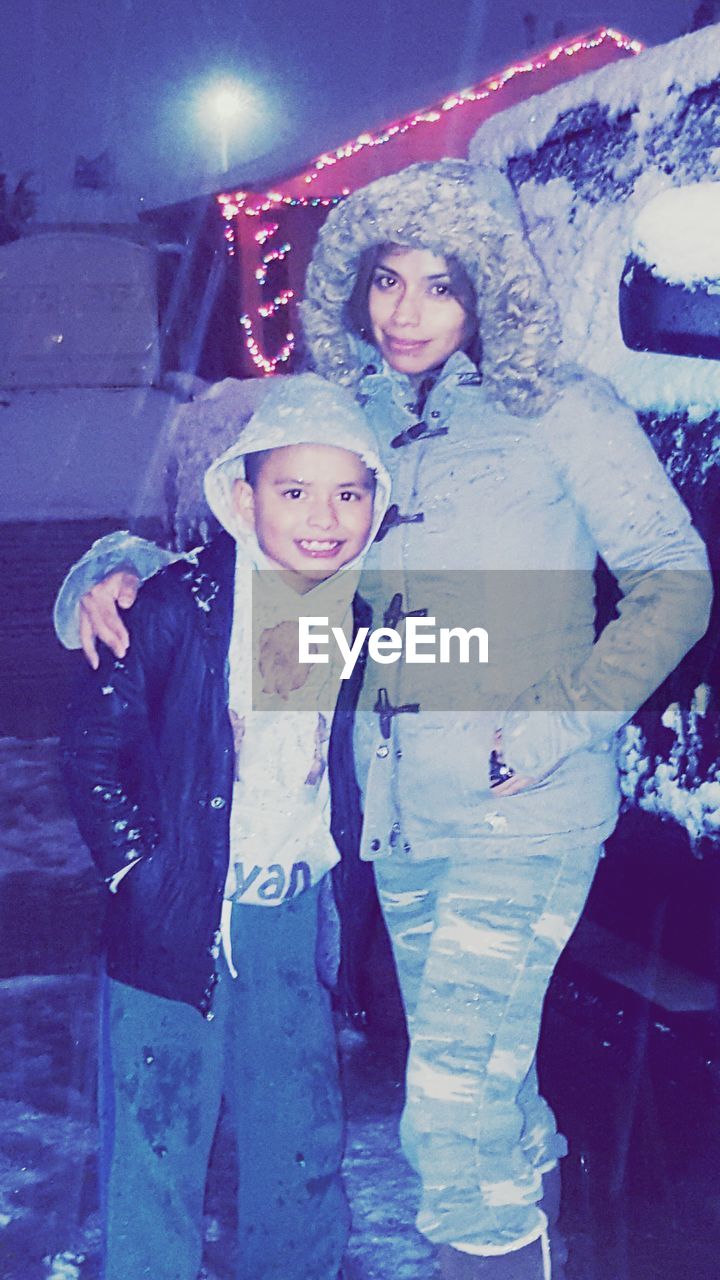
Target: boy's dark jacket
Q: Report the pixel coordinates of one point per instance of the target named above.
(149, 762)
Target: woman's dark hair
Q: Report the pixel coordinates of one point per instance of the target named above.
(357, 317)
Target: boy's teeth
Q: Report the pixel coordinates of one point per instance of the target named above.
(316, 545)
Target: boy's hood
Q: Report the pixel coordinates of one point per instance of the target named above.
(303, 409)
(454, 209)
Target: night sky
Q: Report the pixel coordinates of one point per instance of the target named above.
(87, 76)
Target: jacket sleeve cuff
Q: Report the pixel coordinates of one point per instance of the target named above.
(120, 550)
(536, 742)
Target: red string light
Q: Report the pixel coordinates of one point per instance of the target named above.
(282, 299)
(477, 93)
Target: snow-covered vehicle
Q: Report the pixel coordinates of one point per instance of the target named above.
(91, 323)
(618, 175)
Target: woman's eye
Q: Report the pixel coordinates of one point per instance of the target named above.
(384, 281)
(441, 290)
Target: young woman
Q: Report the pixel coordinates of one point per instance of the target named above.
(486, 824)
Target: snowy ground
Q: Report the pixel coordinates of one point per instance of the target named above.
(634, 1095)
(49, 1221)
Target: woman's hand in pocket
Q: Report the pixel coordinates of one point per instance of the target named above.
(503, 780)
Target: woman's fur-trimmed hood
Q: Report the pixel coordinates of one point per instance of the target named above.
(454, 209)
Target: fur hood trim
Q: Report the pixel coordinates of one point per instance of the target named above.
(454, 209)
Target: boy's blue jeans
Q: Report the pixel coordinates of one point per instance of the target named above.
(270, 1050)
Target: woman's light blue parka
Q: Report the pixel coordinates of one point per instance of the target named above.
(505, 489)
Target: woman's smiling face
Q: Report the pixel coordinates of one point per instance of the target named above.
(416, 320)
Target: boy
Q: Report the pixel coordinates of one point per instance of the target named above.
(207, 817)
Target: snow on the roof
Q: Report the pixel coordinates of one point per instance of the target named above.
(586, 158)
(661, 77)
(678, 234)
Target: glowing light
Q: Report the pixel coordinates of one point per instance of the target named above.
(267, 365)
(222, 105)
(265, 232)
(225, 102)
(282, 299)
(275, 255)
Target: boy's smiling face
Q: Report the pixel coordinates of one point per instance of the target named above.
(311, 507)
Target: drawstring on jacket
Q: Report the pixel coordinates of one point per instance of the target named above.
(546, 1256)
(225, 936)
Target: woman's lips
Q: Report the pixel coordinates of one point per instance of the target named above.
(405, 346)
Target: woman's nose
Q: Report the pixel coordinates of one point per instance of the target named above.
(407, 310)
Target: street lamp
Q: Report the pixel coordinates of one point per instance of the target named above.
(222, 105)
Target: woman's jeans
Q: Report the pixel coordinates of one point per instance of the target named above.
(475, 942)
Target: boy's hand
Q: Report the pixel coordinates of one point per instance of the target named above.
(99, 616)
(279, 662)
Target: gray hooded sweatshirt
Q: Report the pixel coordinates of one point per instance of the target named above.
(280, 820)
